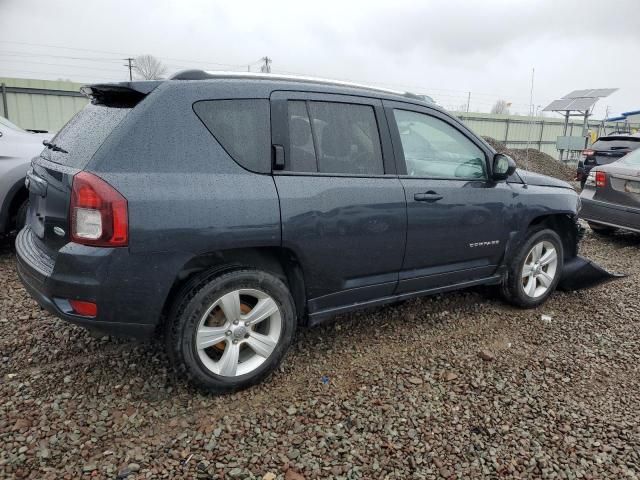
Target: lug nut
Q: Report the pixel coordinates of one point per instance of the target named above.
(227, 333)
(235, 341)
(246, 324)
(235, 322)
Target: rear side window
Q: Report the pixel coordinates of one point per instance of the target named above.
(242, 127)
(84, 133)
(329, 137)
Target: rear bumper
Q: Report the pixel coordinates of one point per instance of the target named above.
(128, 304)
(613, 215)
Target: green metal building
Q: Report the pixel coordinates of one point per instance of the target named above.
(40, 104)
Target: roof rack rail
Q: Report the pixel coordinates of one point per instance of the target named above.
(205, 75)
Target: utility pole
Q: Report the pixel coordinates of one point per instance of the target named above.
(129, 64)
(468, 101)
(531, 114)
(266, 68)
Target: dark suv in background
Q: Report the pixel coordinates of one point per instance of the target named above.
(605, 150)
(226, 210)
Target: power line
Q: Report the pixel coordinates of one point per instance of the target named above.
(61, 47)
(61, 75)
(66, 57)
(68, 65)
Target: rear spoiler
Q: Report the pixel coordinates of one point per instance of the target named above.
(119, 95)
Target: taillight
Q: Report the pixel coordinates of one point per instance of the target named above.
(98, 213)
(588, 152)
(601, 179)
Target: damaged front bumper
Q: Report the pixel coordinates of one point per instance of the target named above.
(579, 273)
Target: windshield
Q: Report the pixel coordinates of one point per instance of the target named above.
(6, 123)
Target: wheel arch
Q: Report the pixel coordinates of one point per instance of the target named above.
(16, 195)
(567, 228)
(279, 261)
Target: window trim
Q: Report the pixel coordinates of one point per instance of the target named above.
(280, 128)
(390, 106)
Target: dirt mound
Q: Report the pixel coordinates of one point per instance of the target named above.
(538, 162)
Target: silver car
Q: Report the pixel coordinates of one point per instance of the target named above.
(17, 148)
(611, 196)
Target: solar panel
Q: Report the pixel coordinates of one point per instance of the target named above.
(592, 92)
(581, 100)
(558, 105)
(565, 104)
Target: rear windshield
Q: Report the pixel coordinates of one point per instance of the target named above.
(616, 143)
(632, 158)
(83, 134)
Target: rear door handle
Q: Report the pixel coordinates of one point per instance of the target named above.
(429, 196)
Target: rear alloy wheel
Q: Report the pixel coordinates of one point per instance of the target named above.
(535, 270)
(230, 331)
(238, 332)
(601, 229)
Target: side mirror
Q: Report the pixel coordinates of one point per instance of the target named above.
(503, 166)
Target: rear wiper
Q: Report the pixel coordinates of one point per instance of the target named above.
(53, 146)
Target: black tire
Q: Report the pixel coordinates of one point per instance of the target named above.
(21, 215)
(602, 229)
(193, 303)
(512, 289)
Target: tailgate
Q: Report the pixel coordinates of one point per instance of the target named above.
(50, 178)
(49, 187)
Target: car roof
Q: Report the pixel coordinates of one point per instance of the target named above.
(368, 90)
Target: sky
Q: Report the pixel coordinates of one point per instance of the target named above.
(445, 49)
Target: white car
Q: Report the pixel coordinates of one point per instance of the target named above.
(17, 148)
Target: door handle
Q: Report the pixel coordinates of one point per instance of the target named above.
(429, 196)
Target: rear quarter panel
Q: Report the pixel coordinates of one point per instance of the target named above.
(185, 193)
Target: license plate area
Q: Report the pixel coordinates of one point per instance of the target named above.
(37, 201)
(631, 186)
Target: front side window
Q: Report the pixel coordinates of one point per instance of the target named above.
(433, 148)
(330, 137)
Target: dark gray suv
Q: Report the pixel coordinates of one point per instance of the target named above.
(226, 210)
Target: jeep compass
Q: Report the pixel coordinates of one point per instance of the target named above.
(224, 211)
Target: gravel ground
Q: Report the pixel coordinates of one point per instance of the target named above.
(453, 386)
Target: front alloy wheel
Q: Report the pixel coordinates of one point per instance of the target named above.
(539, 269)
(535, 269)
